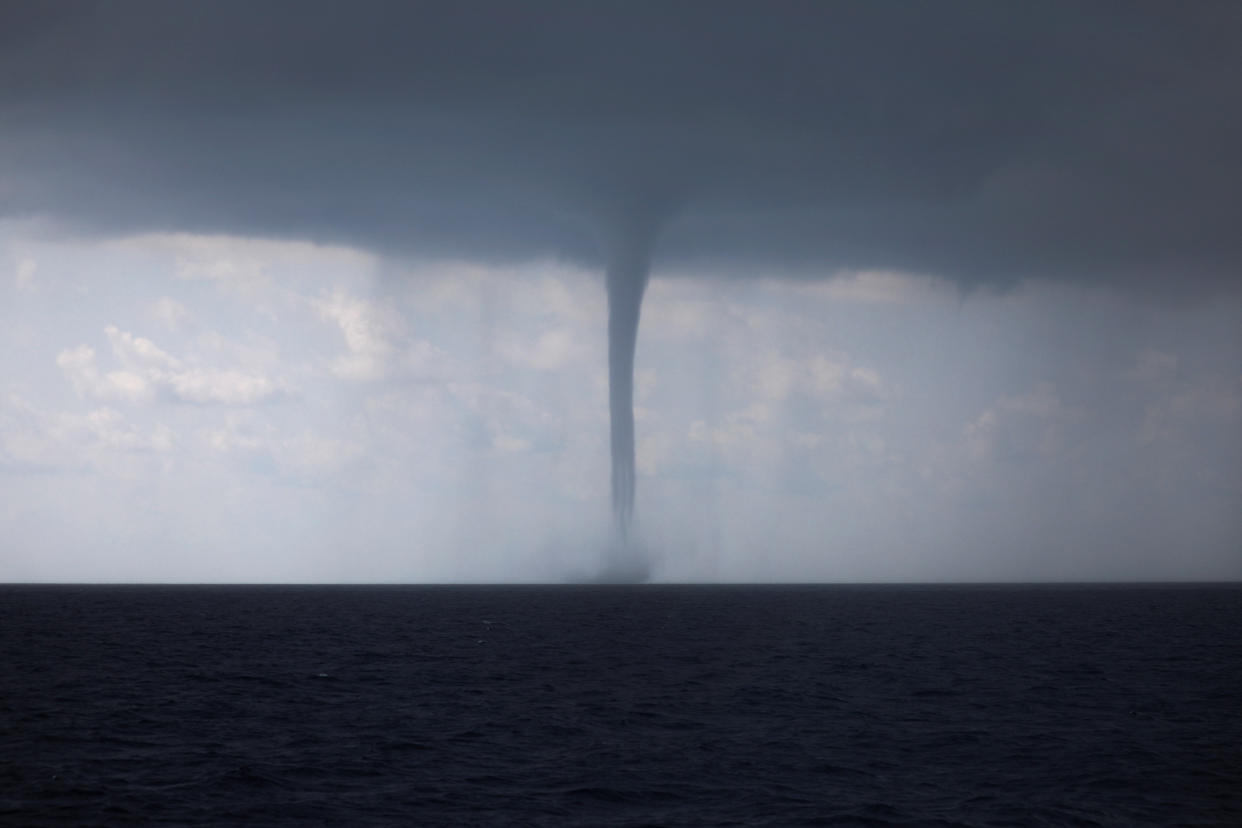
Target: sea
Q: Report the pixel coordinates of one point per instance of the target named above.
(612, 705)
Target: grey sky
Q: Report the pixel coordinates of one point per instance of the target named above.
(978, 141)
(941, 291)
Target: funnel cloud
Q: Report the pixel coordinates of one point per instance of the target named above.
(629, 264)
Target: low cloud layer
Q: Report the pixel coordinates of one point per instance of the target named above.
(980, 142)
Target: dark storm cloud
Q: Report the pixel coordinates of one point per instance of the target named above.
(979, 141)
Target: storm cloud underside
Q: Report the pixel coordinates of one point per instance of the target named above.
(972, 140)
(982, 143)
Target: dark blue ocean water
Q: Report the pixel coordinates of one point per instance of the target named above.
(612, 705)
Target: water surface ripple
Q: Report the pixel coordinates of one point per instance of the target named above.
(619, 705)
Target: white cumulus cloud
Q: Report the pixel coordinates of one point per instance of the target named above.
(150, 372)
(25, 275)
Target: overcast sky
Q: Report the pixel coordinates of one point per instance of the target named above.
(939, 291)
